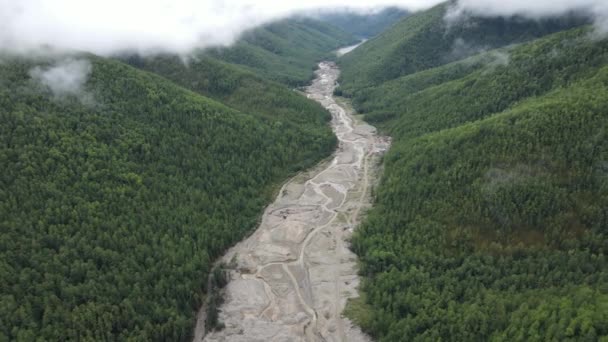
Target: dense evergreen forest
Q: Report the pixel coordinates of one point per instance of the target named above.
(286, 51)
(364, 25)
(234, 86)
(116, 199)
(491, 220)
(427, 39)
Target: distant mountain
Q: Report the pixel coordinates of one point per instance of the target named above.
(285, 51)
(425, 40)
(491, 222)
(364, 25)
(288, 51)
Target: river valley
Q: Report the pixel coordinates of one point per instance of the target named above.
(292, 277)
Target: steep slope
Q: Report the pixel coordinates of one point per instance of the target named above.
(364, 25)
(240, 89)
(221, 75)
(116, 199)
(482, 85)
(490, 223)
(285, 51)
(426, 39)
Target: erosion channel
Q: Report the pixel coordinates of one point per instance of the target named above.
(292, 277)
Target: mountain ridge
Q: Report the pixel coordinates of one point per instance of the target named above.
(122, 186)
(490, 221)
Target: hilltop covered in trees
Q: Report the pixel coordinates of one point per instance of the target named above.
(116, 198)
(490, 222)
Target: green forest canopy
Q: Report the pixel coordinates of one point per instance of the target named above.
(426, 39)
(490, 221)
(113, 209)
(286, 51)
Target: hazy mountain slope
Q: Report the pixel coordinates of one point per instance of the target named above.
(249, 89)
(479, 86)
(491, 220)
(240, 89)
(113, 204)
(425, 39)
(285, 51)
(364, 25)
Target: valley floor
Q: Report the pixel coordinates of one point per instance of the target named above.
(292, 277)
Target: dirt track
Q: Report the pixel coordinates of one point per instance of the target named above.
(295, 273)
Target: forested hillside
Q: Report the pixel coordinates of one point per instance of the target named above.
(286, 51)
(115, 199)
(427, 39)
(238, 88)
(491, 220)
(364, 25)
(224, 76)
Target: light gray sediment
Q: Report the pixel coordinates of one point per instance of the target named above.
(295, 273)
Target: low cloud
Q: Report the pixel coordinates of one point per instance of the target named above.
(499, 58)
(532, 9)
(107, 27)
(462, 49)
(65, 78)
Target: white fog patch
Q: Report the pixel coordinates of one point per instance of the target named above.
(532, 9)
(65, 78)
(499, 58)
(107, 27)
(601, 19)
(462, 49)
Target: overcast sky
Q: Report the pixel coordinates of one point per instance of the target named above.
(110, 26)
